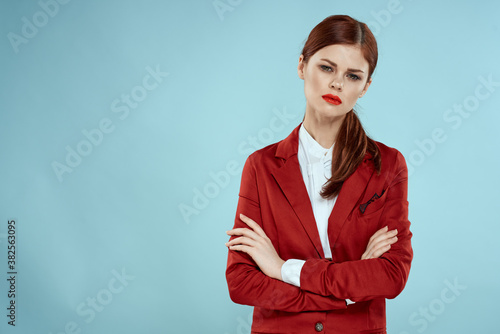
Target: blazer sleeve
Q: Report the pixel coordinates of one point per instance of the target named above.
(247, 283)
(383, 277)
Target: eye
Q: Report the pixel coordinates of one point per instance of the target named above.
(353, 77)
(326, 68)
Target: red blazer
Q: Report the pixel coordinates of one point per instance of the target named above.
(273, 194)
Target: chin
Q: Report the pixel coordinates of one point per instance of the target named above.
(324, 110)
(332, 115)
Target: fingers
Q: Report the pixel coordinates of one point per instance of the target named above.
(376, 237)
(246, 238)
(379, 243)
(241, 248)
(378, 252)
(254, 227)
(382, 235)
(379, 232)
(380, 248)
(243, 231)
(252, 224)
(241, 241)
(373, 254)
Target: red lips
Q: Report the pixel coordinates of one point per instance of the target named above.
(333, 99)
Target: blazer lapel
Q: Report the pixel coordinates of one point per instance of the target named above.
(352, 189)
(290, 181)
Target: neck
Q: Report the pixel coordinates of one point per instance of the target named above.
(324, 131)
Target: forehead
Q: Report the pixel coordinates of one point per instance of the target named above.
(348, 56)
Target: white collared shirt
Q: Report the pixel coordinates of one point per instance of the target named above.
(316, 166)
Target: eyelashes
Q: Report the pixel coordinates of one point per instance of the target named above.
(351, 76)
(326, 68)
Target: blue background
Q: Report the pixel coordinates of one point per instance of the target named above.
(119, 212)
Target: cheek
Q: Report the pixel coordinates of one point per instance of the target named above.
(309, 89)
(351, 97)
(354, 94)
(314, 79)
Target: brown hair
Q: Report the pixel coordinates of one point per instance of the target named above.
(352, 142)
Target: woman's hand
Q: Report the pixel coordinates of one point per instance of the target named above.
(379, 243)
(254, 242)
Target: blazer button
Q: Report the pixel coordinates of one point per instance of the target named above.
(318, 327)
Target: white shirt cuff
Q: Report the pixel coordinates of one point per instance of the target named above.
(290, 271)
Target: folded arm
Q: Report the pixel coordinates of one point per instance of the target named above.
(363, 280)
(248, 285)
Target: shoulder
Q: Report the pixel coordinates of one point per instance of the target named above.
(266, 152)
(265, 156)
(392, 159)
(283, 149)
(390, 154)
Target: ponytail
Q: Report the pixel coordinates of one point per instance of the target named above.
(350, 148)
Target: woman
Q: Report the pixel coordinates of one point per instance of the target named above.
(314, 245)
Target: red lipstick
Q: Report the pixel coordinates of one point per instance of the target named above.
(333, 99)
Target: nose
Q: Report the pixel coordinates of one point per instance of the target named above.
(337, 83)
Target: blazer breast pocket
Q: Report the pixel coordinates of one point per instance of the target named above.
(373, 206)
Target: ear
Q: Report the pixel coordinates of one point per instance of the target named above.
(366, 87)
(300, 68)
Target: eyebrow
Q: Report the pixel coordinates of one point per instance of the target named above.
(335, 65)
